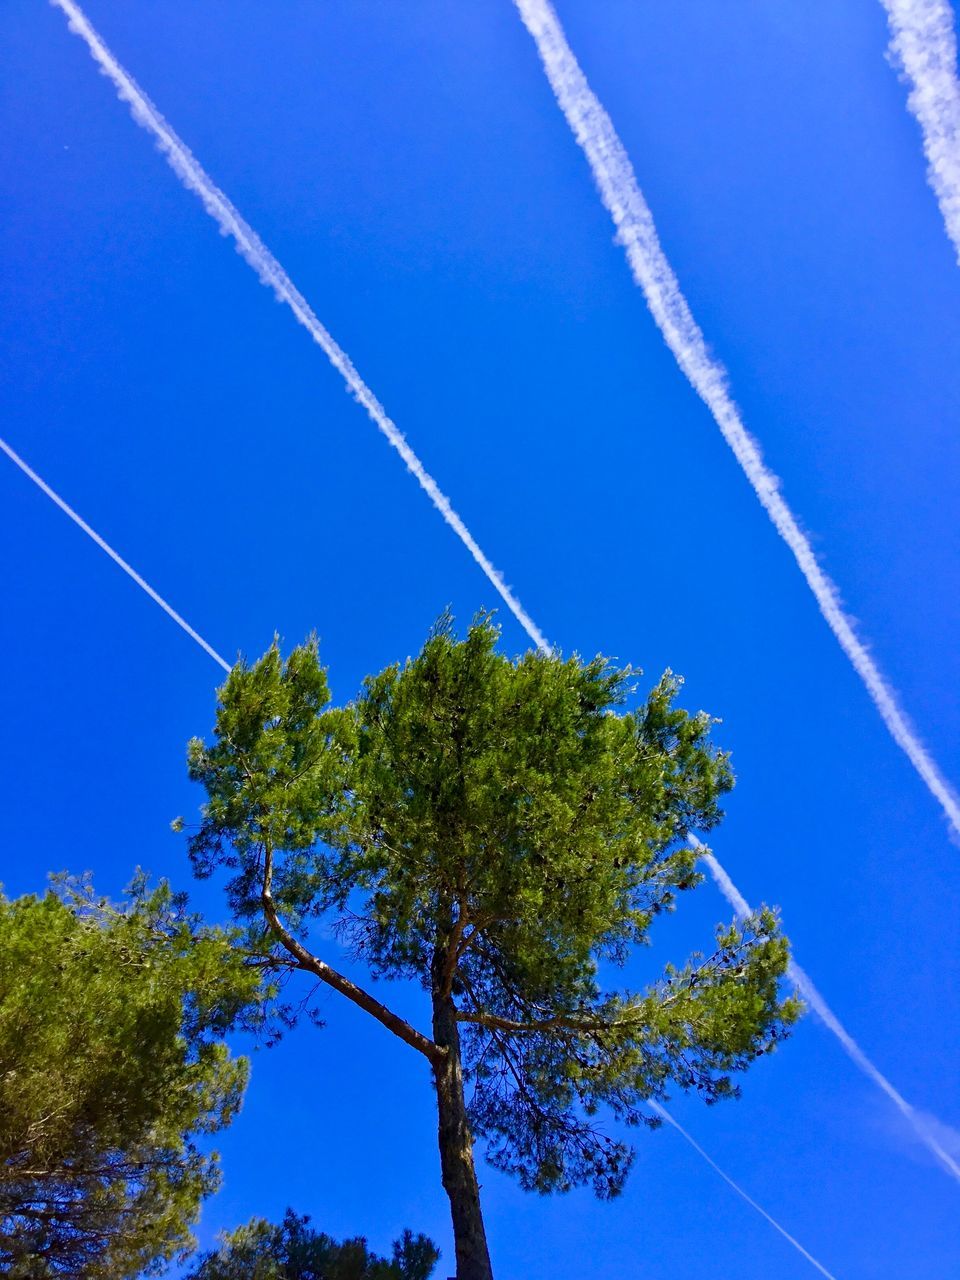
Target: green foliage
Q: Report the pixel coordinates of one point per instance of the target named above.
(513, 786)
(293, 1250)
(277, 777)
(505, 834)
(111, 1063)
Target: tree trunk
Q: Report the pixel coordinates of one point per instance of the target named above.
(456, 1148)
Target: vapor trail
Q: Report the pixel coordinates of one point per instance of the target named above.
(617, 184)
(114, 556)
(923, 47)
(818, 1004)
(257, 255)
(665, 1115)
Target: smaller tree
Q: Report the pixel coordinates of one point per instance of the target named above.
(293, 1250)
(112, 1063)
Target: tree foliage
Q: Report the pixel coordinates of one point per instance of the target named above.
(505, 833)
(112, 1064)
(293, 1250)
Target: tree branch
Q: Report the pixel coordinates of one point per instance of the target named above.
(664, 995)
(326, 973)
(456, 948)
(493, 1022)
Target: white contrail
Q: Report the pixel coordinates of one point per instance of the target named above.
(617, 184)
(665, 1115)
(114, 556)
(254, 251)
(916, 1119)
(923, 47)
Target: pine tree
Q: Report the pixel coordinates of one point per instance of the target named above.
(112, 1065)
(512, 830)
(293, 1250)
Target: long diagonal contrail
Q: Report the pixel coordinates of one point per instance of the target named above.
(805, 985)
(617, 184)
(923, 46)
(257, 255)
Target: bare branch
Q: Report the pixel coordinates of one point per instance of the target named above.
(326, 973)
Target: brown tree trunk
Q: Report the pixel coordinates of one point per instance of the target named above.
(456, 1148)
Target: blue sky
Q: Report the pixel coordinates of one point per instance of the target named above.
(409, 167)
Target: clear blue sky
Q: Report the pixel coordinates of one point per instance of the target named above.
(408, 165)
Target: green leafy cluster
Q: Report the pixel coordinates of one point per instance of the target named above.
(544, 1065)
(555, 824)
(293, 1250)
(503, 832)
(277, 776)
(112, 1062)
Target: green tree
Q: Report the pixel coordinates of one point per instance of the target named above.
(293, 1250)
(503, 833)
(112, 1063)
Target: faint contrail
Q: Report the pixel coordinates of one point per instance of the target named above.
(923, 47)
(636, 232)
(918, 1122)
(665, 1115)
(255, 252)
(114, 556)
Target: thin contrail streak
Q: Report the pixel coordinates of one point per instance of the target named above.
(818, 1004)
(617, 184)
(665, 1115)
(923, 46)
(257, 255)
(114, 556)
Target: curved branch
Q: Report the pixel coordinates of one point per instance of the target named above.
(326, 973)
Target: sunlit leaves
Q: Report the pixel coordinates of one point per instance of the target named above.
(111, 1063)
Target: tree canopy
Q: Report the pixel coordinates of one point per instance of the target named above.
(503, 833)
(112, 1065)
(293, 1250)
